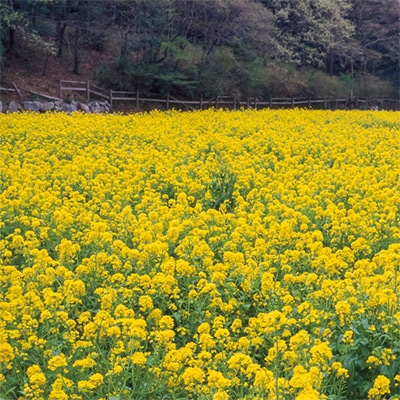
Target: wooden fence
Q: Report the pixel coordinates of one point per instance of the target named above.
(18, 90)
(91, 92)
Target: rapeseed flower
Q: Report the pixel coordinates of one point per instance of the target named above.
(380, 388)
(57, 361)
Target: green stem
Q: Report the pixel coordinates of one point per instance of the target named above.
(276, 369)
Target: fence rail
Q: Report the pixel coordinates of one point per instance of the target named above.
(18, 90)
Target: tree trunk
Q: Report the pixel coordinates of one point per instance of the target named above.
(61, 27)
(77, 53)
(34, 15)
(123, 51)
(330, 62)
(61, 40)
(46, 63)
(11, 44)
(352, 76)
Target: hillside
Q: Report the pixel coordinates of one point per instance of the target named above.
(242, 48)
(25, 69)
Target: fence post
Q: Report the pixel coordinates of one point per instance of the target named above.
(88, 90)
(216, 102)
(255, 103)
(292, 102)
(137, 98)
(168, 101)
(16, 89)
(234, 102)
(325, 103)
(60, 90)
(309, 102)
(111, 99)
(270, 101)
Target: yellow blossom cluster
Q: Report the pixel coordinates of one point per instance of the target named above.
(206, 255)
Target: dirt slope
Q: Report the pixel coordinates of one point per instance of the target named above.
(28, 70)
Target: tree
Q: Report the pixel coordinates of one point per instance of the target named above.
(89, 21)
(254, 29)
(377, 25)
(234, 38)
(141, 26)
(223, 22)
(15, 19)
(311, 32)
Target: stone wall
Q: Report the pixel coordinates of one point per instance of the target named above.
(56, 105)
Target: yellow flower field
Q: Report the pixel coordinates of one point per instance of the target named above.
(205, 255)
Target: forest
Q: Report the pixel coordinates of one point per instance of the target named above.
(253, 48)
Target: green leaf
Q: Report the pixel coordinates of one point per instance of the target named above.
(365, 323)
(356, 331)
(364, 388)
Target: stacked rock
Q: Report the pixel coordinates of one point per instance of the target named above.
(98, 107)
